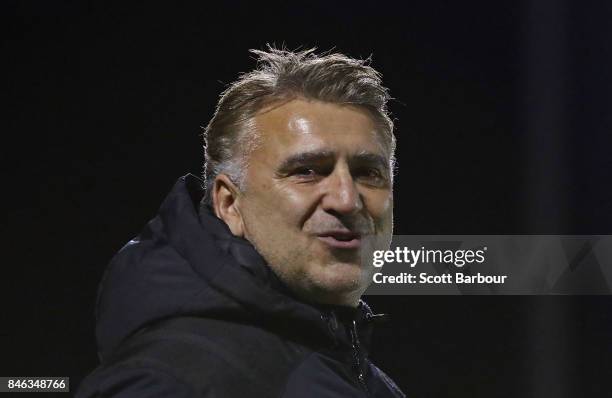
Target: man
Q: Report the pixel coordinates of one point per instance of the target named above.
(252, 288)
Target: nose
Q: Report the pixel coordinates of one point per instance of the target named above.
(341, 195)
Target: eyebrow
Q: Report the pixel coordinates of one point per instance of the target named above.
(363, 157)
(305, 158)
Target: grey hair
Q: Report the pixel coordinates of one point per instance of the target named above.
(281, 75)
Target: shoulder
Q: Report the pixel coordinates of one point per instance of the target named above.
(202, 357)
(123, 381)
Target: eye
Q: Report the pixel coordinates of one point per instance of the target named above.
(307, 173)
(371, 175)
(304, 172)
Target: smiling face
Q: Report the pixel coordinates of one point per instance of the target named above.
(317, 198)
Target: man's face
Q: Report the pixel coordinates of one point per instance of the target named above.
(318, 198)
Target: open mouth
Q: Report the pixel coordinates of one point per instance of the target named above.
(341, 239)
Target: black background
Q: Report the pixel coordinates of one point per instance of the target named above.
(503, 113)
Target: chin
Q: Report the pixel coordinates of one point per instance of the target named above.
(340, 278)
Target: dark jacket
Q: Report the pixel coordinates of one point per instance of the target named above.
(188, 310)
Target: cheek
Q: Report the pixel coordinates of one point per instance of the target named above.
(381, 210)
(380, 206)
(296, 203)
(278, 205)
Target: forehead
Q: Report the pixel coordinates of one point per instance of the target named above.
(303, 125)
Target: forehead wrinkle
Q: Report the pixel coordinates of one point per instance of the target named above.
(316, 130)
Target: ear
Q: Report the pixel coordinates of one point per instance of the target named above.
(225, 199)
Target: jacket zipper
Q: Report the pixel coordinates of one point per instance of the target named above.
(357, 357)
